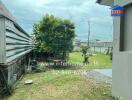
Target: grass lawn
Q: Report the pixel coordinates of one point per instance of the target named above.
(96, 61)
(58, 85)
(64, 84)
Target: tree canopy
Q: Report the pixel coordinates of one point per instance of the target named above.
(54, 36)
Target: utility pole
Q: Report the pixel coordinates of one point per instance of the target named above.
(88, 32)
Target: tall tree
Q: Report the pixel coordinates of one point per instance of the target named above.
(54, 36)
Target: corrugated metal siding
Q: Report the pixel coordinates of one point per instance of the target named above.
(14, 41)
(2, 40)
(18, 42)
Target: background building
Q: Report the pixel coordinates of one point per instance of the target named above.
(95, 46)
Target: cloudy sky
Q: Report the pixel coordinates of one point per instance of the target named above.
(28, 12)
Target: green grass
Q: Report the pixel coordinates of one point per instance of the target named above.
(60, 85)
(96, 61)
(65, 84)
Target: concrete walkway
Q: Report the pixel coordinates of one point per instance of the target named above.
(98, 77)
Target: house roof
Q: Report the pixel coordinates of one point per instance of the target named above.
(4, 12)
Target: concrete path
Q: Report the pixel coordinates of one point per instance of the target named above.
(98, 77)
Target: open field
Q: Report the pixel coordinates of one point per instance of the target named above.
(96, 61)
(60, 85)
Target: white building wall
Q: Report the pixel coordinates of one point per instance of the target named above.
(122, 55)
(122, 61)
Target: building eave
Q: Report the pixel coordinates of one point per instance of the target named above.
(98, 1)
(106, 2)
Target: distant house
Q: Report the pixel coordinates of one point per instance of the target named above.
(122, 63)
(77, 42)
(98, 46)
(77, 45)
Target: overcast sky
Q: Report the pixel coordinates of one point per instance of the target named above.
(28, 12)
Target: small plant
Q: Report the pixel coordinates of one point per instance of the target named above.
(85, 54)
(111, 54)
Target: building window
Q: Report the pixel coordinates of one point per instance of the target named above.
(126, 29)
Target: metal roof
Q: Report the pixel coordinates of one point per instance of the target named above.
(4, 12)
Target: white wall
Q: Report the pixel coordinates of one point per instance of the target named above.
(122, 61)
